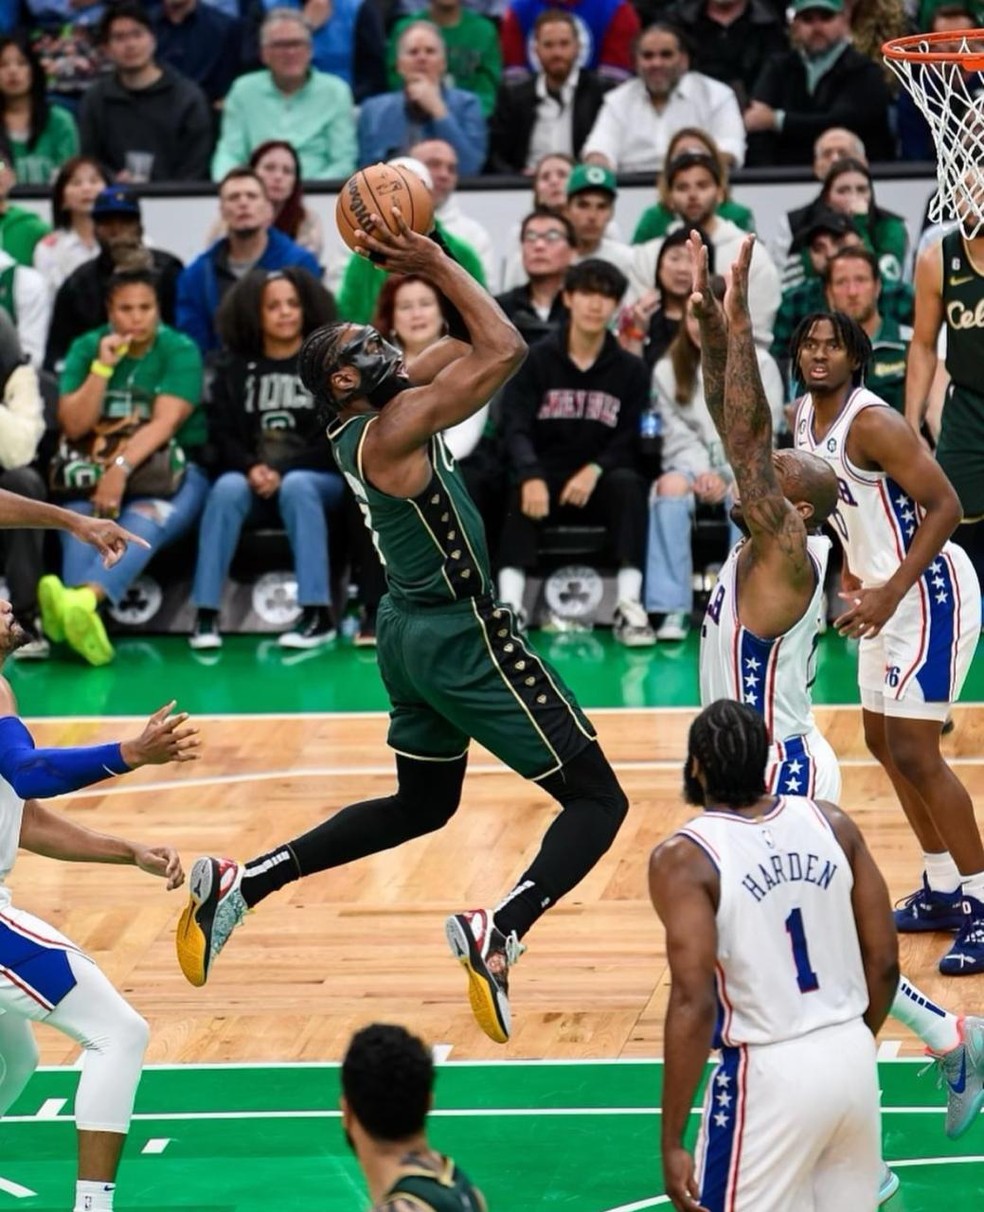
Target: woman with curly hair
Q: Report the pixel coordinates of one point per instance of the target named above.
(655, 221)
(873, 22)
(36, 137)
(269, 448)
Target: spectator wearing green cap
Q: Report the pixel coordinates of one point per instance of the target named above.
(822, 82)
(591, 194)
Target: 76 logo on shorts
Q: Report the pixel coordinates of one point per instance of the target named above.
(892, 675)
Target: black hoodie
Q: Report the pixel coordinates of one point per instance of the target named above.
(170, 119)
(557, 418)
(259, 412)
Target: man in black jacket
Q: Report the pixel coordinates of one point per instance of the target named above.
(80, 303)
(551, 112)
(548, 245)
(731, 40)
(570, 421)
(822, 82)
(144, 122)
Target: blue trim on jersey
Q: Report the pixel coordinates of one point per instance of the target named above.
(754, 654)
(721, 1118)
(934, 676)
(41, 773)
(905, 512)
(43, 969)
(797, 770)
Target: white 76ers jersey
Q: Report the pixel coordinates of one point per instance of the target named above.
(773, 676)
(11, 813)
(788, 956)
(875, 518)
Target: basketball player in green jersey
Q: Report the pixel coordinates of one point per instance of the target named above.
(387, 1091)
(949, 284)
(454, 663)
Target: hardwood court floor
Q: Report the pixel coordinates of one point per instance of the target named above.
(365, 942)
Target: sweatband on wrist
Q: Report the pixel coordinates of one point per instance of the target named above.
(100, 369)
(41, 773)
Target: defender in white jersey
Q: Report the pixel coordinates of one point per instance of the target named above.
(761, 626)
(915, 606)
(783, 954)
(44, 976)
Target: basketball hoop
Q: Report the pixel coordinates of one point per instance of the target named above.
(943, 74)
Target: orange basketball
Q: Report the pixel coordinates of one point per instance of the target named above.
(376, 190)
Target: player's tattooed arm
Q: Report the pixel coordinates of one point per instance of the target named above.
(713, 333)
(747, 432)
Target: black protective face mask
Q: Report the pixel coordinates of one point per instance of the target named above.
(379, 364)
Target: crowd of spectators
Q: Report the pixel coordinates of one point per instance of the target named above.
(109, 343)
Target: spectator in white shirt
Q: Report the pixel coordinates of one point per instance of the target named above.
(694, 190)
(72, 241)
(442, 164)
(638, 118)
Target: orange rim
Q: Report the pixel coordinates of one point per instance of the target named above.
(919, 48)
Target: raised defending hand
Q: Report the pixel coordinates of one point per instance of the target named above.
(165, 738)
(162, 861)
(403, 252)
(706, 309)
(108, 538)
(736, 296)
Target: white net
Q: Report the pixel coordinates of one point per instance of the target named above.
(949, 91)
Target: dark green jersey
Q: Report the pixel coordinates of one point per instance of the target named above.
(963, 309)
(447, 1190)
(433, 545)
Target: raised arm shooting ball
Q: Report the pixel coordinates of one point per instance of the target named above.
(376, 190)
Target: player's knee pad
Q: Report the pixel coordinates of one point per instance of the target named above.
(429, 792)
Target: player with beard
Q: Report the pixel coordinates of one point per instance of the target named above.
(783, 955)
(914, 604)
(454, 663)
(387, 1091)
(760, 632)
(46, 977)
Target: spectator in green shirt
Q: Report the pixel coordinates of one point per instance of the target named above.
(655, 221)
(20, 228)
(132, 365)
(474, 54)
(848, 188)
(853, 284)
(37, 136)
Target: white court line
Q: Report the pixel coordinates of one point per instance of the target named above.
(51, 1108)
(671, 765)
(156, 1145)
(226, 716)
(15, 1189)
(889, 1049)
(655, 1202)
(440, 1113)
(935, 1161)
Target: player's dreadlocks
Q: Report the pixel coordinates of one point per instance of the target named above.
(316, 362)
(731, 743)
(387, 1079)
(847, 331)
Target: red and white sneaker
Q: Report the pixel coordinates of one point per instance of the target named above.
(486, 954)
(215, 908)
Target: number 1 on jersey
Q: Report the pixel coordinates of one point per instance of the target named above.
(806, 978)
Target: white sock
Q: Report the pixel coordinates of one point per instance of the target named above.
(941, 872)
(973, 885)
(512, 585)
(629, 585)
(938, 1029)
(94, 1196)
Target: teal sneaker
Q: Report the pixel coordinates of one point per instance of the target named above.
(963, 1071)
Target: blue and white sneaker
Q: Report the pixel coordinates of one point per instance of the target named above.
(966, 956)
(888, 1184)
(962, 1068)
(928, 910)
